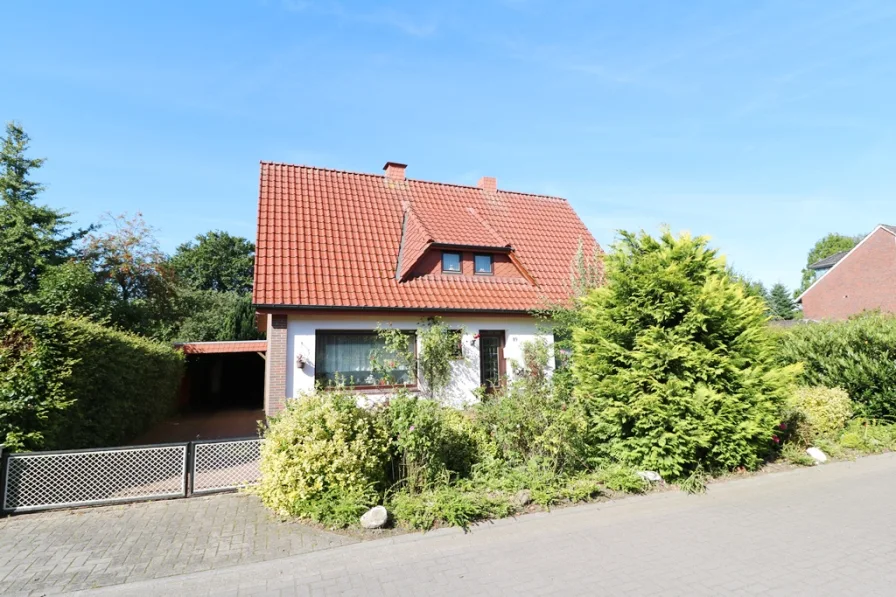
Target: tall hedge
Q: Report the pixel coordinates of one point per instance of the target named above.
(676, 362)
(70, 383)
(858, 355)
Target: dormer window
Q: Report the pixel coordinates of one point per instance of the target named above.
(482, 265)
(451, 262)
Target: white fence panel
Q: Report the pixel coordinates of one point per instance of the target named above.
(41, 480)
(225, 465)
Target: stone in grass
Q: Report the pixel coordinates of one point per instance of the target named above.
(522, 498)
(817, 454)
(650, 476)
(375, 518)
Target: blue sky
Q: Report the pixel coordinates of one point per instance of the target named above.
(764, 125)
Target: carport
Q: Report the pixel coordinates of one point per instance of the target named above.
(221, 394)
(223, 376)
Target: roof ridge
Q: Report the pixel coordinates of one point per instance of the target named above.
(417, 180)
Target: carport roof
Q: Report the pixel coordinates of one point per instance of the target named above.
(223, 347)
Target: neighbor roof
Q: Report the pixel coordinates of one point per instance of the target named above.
(329, 238)
(840, 257)
(828, 261)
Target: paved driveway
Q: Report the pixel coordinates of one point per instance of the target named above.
(829, 530)
(53, 552)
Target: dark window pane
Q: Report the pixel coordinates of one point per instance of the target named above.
(346, 357)
(458, 351)
(450, 262)
(483, 264)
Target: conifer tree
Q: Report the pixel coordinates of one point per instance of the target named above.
(675, 360)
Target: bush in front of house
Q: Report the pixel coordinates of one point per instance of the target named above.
(71, 383)
(676, 363)
(858, 355)
(430, 444)
(324, 459)
(529, 419)
(817, 412)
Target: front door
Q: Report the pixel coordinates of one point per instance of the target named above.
(491, 358)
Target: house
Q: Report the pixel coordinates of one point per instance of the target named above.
(858, 280)
(341, 253)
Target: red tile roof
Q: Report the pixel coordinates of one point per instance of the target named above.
(330, 238)
(223, 347)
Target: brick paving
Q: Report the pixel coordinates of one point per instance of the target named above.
(823, 531)
(54, 552)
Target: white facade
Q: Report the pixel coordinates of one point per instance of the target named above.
(301, 342)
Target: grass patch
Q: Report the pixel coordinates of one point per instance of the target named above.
(449, 505)
(695, 482)
(869, 436)
(493, 492)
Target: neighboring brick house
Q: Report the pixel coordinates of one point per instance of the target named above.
(858, 280)
(340, 253)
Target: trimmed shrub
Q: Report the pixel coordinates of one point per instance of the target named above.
(676, 362)
(70, 383)
(858, 355)
(324, 459)
(820, 412)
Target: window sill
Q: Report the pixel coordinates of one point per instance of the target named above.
(373, 389)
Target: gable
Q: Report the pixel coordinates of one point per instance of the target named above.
(863, 279)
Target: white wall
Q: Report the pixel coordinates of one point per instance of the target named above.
(301, 331)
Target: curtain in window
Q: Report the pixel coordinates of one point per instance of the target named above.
(347, 357)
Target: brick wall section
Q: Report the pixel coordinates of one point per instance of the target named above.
(275, 366)
(865, 279)
(431, 264)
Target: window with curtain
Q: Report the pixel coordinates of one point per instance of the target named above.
(346, 356)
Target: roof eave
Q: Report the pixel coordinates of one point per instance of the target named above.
(284, 307)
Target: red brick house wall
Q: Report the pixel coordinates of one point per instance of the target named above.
(863, 280)
(275, 367)
(431, 264)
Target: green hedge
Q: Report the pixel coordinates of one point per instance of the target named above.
(70, 383)
(858, 355)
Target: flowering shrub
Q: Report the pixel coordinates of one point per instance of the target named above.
(818, 412)
(324, 459)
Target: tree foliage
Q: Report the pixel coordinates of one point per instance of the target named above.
(780, 303)
(74, 289)
(126, 257)
(216, 261)
(825, 247)
(32, 237)
(675, 360)
(208, 316)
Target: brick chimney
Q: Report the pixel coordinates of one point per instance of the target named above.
(394, 170)
(489, 183)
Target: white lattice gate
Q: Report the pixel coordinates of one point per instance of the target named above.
(40, 480)
(225, 465)
(69, 478)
